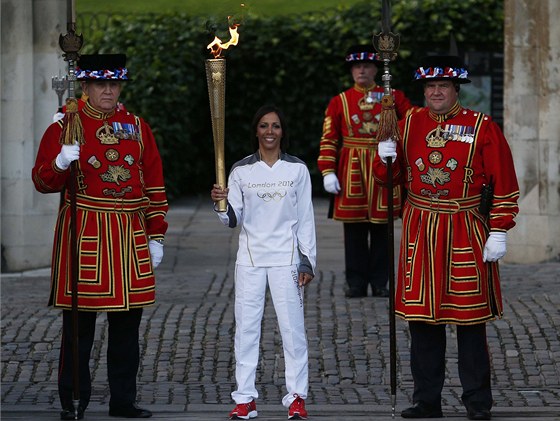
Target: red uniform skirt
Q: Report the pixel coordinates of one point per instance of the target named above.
(442, 277)
(115, 270)
(361, 198)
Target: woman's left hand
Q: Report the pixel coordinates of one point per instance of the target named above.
(304, 279)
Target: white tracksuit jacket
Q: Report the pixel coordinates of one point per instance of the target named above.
(274, 209)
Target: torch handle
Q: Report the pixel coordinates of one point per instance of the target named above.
(219, 156)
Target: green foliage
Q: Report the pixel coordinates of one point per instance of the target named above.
(210, 7)
(295, 62)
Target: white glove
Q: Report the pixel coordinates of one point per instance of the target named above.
(57, 116)
(331, 184)
(386, 149)
(495, 247)
(68, 153)
(156, 251)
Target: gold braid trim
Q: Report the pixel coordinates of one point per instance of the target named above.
(72, 129)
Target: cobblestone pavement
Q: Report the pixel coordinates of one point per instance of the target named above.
(187, 344)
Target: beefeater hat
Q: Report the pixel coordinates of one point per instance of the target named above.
(361, 54)
(442, 68)
(102, 67)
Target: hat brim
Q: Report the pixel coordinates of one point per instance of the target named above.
(92, 76)
(361, 54)
(460, 81)
(102, 80)
(109, 67)
(441, 70)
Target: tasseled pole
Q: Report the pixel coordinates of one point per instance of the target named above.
(72, 129)
(73, 132)
(389, 130)
(388, 121)
(387, 44)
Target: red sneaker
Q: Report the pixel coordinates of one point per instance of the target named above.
(244, 411)
(297, 409)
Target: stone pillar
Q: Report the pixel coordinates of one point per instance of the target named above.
(30, 56)
(532, 125)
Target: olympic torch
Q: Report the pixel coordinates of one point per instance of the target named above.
(216, 78)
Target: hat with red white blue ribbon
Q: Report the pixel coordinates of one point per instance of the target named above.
(442, 68)
(102, 67)
(360, 54)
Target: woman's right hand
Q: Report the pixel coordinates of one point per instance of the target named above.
(218, 193)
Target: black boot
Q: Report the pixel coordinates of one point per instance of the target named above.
(422, 410)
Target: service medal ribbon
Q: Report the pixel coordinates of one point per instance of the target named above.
(125, 130)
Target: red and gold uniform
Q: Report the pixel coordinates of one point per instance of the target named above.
(443, 162)
(121, 204)
(348, 147)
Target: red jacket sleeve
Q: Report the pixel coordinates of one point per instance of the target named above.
(154, 182)
(379, 169)
(500, 171)
(47, 178)
(332, 135)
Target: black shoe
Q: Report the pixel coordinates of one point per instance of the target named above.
(422, 410)
(132, 411)
(475, 413)
(70, 414)
(380, 292)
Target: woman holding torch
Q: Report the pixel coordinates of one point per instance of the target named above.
(269, 197)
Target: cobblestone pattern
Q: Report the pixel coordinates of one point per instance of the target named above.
(187, 343)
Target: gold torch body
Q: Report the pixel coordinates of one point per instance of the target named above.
(216, 78)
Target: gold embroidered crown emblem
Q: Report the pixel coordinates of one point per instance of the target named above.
(435, 138)
(105, 135)
(366, 105)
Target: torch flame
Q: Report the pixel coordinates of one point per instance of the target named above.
(216, 46)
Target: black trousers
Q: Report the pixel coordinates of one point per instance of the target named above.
(366, 256)
(123, 357)
(427, 362)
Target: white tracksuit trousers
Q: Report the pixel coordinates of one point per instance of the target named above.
(287, 296)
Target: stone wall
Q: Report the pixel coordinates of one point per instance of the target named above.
(30, 56)
(532, 125)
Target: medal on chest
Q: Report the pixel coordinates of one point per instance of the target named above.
(436, 138)
(435, 157)
(369, 120)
